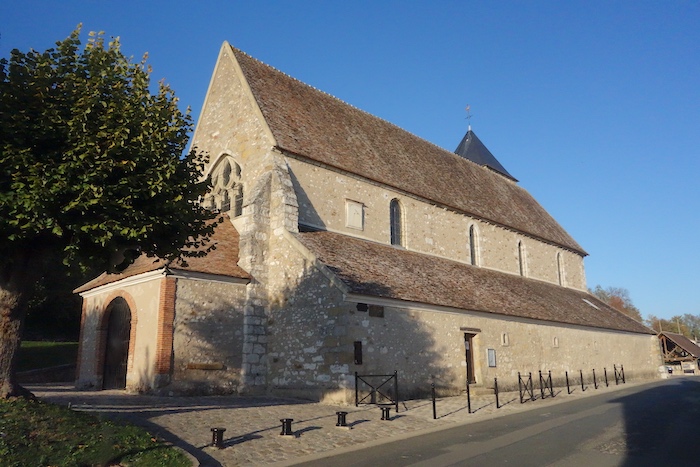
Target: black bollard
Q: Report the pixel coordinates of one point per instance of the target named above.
(495, 389)
(568, 390)
(286, 427)
(217, 437)
(582, 388)
(595, 382)
(622, 370)
(341, 419)
(432, 390)
(605, 372)
(385, 412)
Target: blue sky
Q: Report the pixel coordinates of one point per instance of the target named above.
(594, 106)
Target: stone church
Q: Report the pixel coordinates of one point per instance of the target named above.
(350, 245)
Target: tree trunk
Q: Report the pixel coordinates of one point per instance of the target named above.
(15, 283)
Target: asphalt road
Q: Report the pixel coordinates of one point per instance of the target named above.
(650, 425)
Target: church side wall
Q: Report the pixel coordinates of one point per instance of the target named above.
(208, 339)
(429, 345)
(314, 330)
(429, 229)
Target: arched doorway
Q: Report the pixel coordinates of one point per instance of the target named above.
(116, 344)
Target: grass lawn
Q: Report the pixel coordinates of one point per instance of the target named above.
(43, 434)
(38, 354)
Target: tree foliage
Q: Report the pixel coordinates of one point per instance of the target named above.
(619, 299)
(91, 160)
(687, 325)
(91, 169)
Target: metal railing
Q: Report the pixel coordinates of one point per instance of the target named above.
(378, 388)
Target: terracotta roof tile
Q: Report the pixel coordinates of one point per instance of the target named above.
(221, 261)
(315, 125)
(379, 270)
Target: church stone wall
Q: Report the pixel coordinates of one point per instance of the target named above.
(310, 350)
(316, 359)
(231, 123)
(426, 346)
(208, 339)
(429, 229)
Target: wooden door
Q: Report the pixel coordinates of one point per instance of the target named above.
(117, 345)
(469, 356)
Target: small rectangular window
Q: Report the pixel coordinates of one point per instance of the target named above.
(354, 215)
(376, 311)
(358, 352)
(491, 357)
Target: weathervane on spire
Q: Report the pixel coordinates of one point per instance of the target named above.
(469, 116)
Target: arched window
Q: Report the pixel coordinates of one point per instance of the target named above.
(560, 270)
(395, 219)
(521, 258)
(473, 246)
(227, 191)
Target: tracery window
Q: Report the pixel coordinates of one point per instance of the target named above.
(395, 219)
(226, 194)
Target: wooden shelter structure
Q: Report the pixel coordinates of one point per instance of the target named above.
(679, 350)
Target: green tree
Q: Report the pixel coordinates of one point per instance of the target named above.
(687, 325)
(91, 171)
(618, 298)
(692, 323)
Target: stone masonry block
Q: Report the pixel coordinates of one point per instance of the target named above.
(252, 320)
(251, 358)
(339, 368)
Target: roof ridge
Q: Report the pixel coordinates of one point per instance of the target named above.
(316, 124)
(236, 49)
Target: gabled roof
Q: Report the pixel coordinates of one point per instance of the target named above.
(308, 123)
(222, 261)
(379, 270)
(683, 342)
(471, 148)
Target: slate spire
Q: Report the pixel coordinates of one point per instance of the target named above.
(473, 149)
